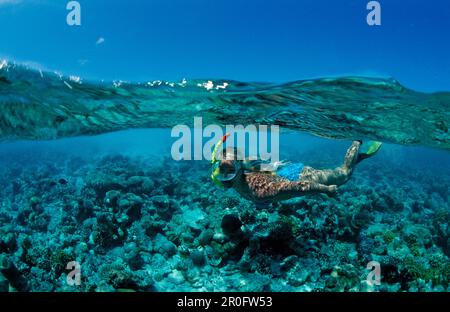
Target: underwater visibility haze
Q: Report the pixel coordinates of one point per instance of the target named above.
(87, 175)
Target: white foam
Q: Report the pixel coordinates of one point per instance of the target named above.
(75, 79)
(68, 85)
(207, 85)
(223, 86)
(3, 64)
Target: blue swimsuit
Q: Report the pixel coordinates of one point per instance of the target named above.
(291, 171)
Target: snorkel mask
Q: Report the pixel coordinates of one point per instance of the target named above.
(227, 174)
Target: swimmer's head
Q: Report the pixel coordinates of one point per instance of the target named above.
(228, 168)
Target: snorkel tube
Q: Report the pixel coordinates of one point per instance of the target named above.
(215, 162)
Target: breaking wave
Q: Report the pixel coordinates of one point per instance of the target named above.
(44, 105)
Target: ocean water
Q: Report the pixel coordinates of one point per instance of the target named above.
(87, 182)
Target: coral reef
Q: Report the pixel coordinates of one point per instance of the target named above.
(136, 224)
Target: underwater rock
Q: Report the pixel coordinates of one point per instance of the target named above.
(391, 203)
(165, 246)
(83, 210)
(8, 243)
(16, 188)
(181, 263)
(231, 225)
(59, 260)
(234, 250)
(298, 276)
(130, 201)
(187, 237)
(361, 219)
(231, 244)
(176, 277)
(4, 284)
(193, 217)
(12, 274)
(219, 237)
(112, 198)
(245, 263)
(135, 260)
(34, 219)
(255, 283)
(205, 237)
(6, 218)
(102, 183)
(198, 257)
(118, 275)
(152, 226)
(103, 286)
(139, 185)
(417, 206)
(130, 205)
(205, 201)
(229, 202)
(392, 274)
(36, 254)
(34, 202)
(248, 216)
(278, 238)
(302, 271)
(343, 278)
(365, 248)
(106, 233)
(289, 262)
(165, 206)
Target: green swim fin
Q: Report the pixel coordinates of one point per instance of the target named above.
(370, 149)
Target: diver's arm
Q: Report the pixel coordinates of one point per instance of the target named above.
(265, 186)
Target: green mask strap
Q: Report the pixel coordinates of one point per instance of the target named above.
(215, 161)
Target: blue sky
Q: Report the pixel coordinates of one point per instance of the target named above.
(251, 40)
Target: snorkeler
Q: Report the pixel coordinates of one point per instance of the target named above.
(270, 184)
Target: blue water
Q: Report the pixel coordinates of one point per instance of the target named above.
(275, 41)
(164, 232)
(87, 175)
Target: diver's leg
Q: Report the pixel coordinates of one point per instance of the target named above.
(337, 176)
(351, 157)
